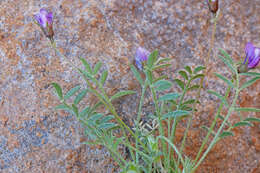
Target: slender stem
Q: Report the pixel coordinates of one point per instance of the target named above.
(155, 100)
(117, 156)
(201, 84)
(176, 120)
(178, 107)
(114, 154)
(216, 137)
(205, 140)
(105, 100)
(139, 118)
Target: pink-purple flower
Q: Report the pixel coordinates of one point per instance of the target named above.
(44, 19)
(141, 56)
(252, 55)
(252, 58)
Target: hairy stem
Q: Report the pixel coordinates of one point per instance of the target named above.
(216, 137)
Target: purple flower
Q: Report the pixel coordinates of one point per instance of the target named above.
(44, 19)
(252, 55)
(140, 56)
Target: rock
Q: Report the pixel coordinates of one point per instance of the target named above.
(36, 138)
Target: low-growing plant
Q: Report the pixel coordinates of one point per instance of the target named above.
(152, 146)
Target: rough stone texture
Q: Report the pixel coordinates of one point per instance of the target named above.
(36, 138)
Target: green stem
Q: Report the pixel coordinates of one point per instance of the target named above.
(105, 101)
(216, 137)
(205, 140)
(176, 120)
(157, 110)
(106, 98)
(201, 85)
(173, 130)
(117, 156)
(139, 118)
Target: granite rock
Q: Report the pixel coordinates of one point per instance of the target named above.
(36, 138)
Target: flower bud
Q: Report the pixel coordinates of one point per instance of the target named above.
(140, 56)
(213, 5)
(252, 58)
(242, 68)
(44, 19)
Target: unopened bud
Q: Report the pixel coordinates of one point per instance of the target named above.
(242, 68)
(44, 19)
(213, 5)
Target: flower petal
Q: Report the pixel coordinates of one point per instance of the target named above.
(255, 59)
(38, 19)
(43, 16)
(142, 54)
(43, 11)
(49, 17)
(249, 52)
(139, 64)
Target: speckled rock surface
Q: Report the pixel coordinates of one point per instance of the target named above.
(36, 138)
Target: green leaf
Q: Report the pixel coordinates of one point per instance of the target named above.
(161, 66)
(226, 133)
(152, 58)
(71, 92)
(173, 102)
(180, 83)
(160, 78)
(247, 109)
(58, 90)
(91, 135)
(255, 74)
(80, 96)
(162, 85)
(84, 112)
(250, 82)
(243, 123)
(63, 107)
(95, 117)
(86, 64)
(198, 69)
(252, 119)
(193, 87)
(197, 76)
(222, 118)
(228, 57)
(188, 69)
(227, 62)
(207, 129)
(149, 76)
(86, 74)
(136, 74)
(186, 108)
(161, 60)
(170, 96)
(103, 77)
(97, 67)
(106, 119)
(225, 80)
(190, 101)
(106, 126)
(175, 114)
(75, 109)
(219, 96)
(184, 74)
(121, 93)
